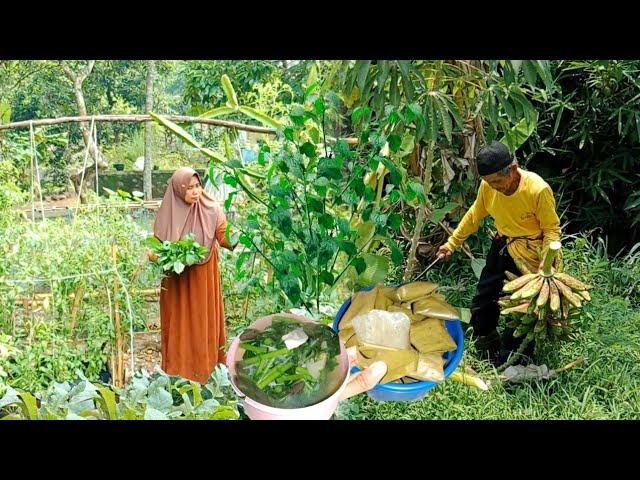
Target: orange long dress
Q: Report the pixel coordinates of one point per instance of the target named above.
(192, 317)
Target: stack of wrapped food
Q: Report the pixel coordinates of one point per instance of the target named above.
(404, 327)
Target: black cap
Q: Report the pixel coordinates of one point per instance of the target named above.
(493, 158)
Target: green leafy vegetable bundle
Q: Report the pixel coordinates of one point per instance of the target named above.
(289, 364)
(175, 256)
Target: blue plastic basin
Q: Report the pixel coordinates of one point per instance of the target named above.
(408, 392)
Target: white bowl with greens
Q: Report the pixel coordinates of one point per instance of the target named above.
(286, 366)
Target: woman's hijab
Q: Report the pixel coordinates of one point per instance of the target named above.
(176, 218)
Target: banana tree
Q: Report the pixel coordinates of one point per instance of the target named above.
(234, 168)
(233, 107)
(444, 106)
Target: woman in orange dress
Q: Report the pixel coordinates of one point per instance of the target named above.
(191, 305)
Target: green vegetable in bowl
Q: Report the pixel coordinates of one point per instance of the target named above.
(289, 364)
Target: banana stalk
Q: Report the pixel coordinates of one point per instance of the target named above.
(554, 247)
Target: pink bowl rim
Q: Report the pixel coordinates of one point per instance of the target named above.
(283, 411)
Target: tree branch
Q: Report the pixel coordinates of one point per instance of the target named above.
(87, 70)
(68, 71)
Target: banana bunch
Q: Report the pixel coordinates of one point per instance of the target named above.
(543, 304)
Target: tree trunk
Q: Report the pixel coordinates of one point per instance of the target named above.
(474, 132)
(421, 217)
(86, 134)
(77, 79)
(148, 131)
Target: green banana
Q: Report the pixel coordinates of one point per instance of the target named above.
(543, 296)
(519, 282)
(573, 283)
(567, 293)
(554, 297)
(529, 290)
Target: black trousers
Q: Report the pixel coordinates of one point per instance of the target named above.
(485, 311)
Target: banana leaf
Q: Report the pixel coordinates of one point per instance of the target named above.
(414, 290)
(261, 117)
(399, 362)
(232, 99)
(361, 302)
(431, 335)
(430, 367)
(435, 308)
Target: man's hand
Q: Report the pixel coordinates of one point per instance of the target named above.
(364, 380)
(444, 252)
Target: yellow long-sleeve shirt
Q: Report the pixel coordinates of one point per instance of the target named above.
(529, 212)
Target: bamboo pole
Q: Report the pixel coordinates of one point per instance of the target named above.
(118, 378)
(76, 305)
(138, 118)
(112, 364)
(40, 297)
(150, 205)
(146, 118)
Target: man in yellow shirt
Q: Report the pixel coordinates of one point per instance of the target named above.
(524, 210)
